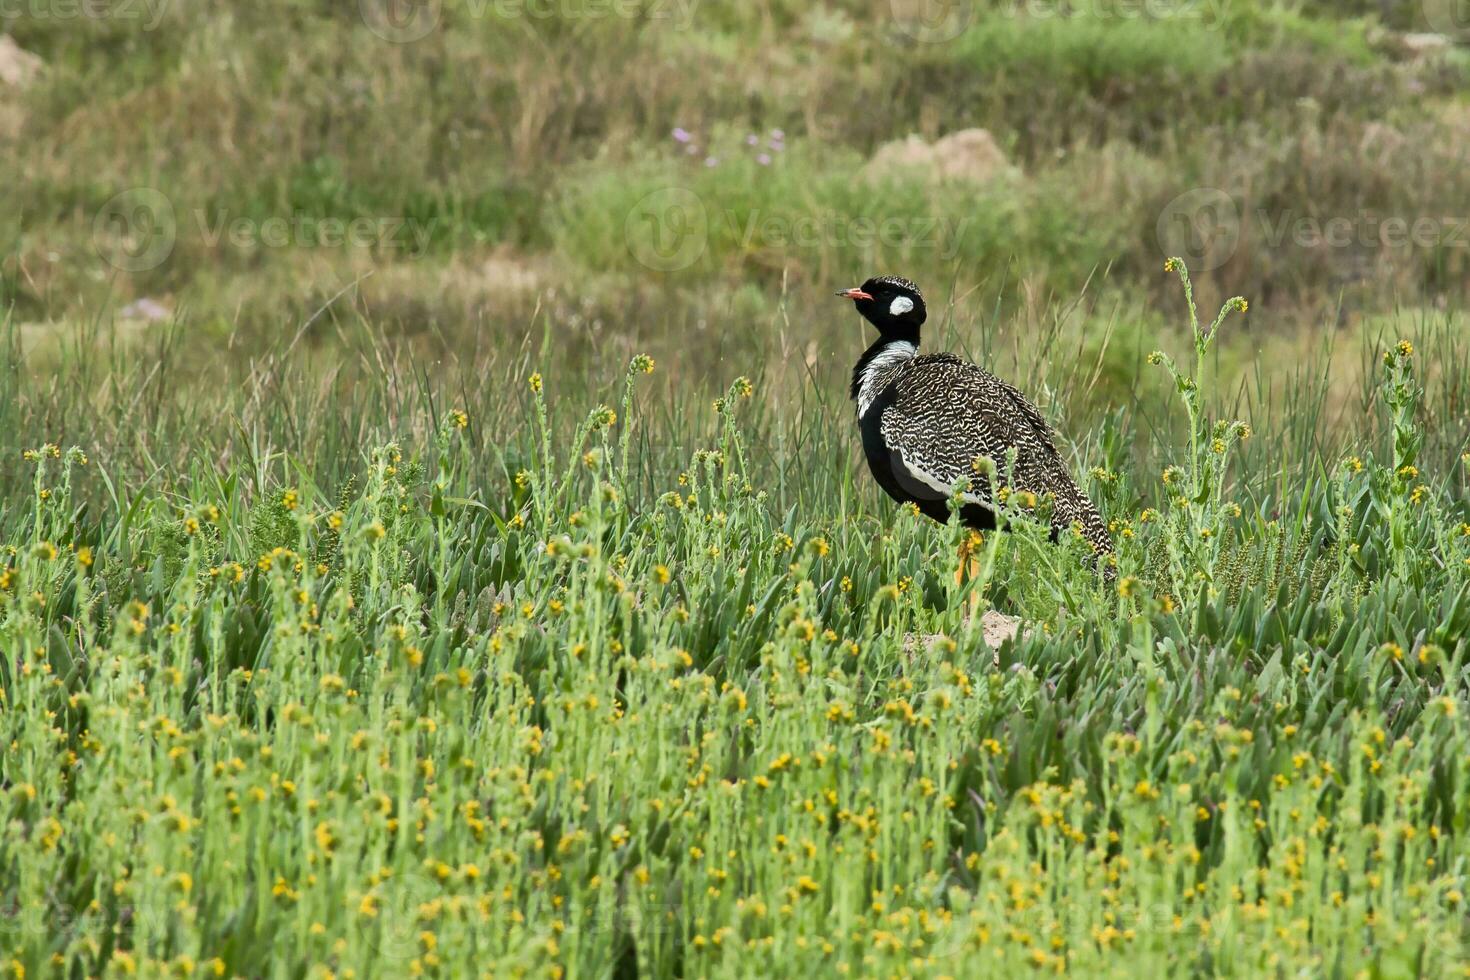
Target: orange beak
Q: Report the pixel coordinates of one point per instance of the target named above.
(853, 293)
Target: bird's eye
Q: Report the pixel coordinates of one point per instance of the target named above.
(900, 306)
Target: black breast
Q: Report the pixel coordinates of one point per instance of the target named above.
(881, 460)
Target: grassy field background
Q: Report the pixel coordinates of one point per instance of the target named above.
(435, 538)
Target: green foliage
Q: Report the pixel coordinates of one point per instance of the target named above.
(374, 639)
(816, 220)
(1091, 53)
(659, 688)
(474, 144)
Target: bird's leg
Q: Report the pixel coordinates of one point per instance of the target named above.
(974, 572)
(969, 568)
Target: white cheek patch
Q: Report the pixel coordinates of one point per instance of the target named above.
(900, 306)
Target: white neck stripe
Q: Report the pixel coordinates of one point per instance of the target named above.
(875, 372)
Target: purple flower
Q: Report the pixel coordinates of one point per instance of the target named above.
(777, 145)
(682, 135)
(752, 140)
(764, 159)
(778, 135)
(147, 309)
(711, 161)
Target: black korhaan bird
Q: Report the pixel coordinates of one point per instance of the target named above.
(926, 419)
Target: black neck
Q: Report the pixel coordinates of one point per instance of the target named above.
(877, 347)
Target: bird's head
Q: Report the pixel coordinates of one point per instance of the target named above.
(890, 303)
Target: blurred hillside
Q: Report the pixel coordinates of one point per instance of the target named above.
(640, 171)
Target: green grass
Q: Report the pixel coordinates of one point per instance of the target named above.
(1093, 53)
(308, 674)
(324, 677)
(522, 139)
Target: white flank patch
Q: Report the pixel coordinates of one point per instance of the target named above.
(934, 482)
(891, 356)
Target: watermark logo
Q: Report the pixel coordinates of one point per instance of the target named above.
(401, 21)
(1201, 226)
(136, 230)
(667, 230)
(1449, 17)
(678, 12)
(395, 926)
(830, 229)
(139, 229)
(1124, 10)
(1206, 228)
(1364, 231)
(406, 21)
(932, 21)
(671, 228)
(148, 12)
(301, 230)
(939, 21)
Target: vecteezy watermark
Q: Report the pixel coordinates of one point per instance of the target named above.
(390, 915)
(406, 21)
(679, 12)
(147, 12)
(301, 230)
(1159, 10)
(832, 229)
(138, 229)
(400, 21)
(938, 21)
(1364, 230)
(1449, 17)
(668, 229)
(1201, 226)
(1206, 227)
(958, 938)
(932, 21)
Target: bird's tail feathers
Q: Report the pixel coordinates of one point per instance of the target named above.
(1077, 510)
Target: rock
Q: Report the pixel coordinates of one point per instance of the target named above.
(997, 627)
(1411, 46)
(18, 68)
(969, 156)
(1423, 45)
(507, 271)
